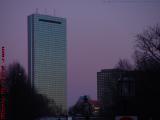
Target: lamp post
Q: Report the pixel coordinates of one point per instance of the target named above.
(86, 108)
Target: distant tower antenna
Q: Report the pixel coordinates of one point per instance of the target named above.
(36, 10)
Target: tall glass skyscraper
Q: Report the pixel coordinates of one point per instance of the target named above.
(47, 56)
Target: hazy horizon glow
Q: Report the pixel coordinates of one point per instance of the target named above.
(98, 34)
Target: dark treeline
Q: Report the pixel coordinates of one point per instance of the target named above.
(146, 72)
(23, 102)
(147, 62)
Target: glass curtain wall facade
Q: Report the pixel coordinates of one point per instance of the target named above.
(47, 56)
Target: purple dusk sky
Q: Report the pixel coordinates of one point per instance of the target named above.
(98, 34)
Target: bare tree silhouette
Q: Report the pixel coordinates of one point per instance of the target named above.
(124, 64)
(147, 52)
(24, 103)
